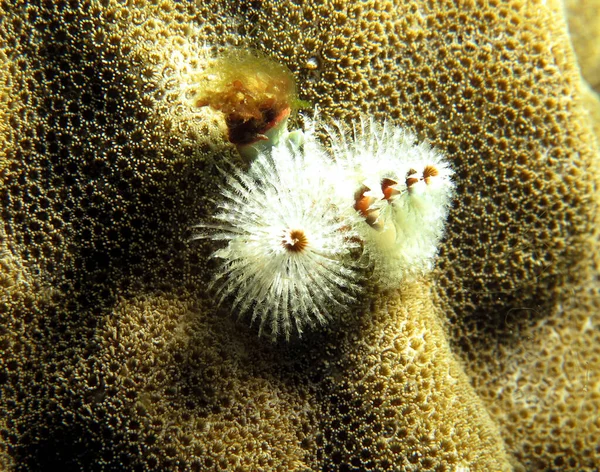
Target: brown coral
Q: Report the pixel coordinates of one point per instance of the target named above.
(114, 356)
(584, 28)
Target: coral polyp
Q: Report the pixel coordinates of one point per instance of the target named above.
(290, 257)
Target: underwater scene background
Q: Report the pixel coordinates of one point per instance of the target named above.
(297, 236)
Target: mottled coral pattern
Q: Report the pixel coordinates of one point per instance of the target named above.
(584, 28)
(114, 353)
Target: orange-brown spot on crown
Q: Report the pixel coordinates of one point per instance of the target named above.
(294, 240)
(428, 172)
(387, 187)
(411, 178)
(362, 204)
(253, 92)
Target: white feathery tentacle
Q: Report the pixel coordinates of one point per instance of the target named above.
(290, 243)
(387, 172)
(295, 221)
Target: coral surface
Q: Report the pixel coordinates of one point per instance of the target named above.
(114, 356)
(584, 28)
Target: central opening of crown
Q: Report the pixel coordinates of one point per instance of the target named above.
(294, 240)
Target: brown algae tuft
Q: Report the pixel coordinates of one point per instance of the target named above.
(255, 94)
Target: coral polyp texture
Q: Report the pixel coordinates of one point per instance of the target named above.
(114, 353)
(289, 255)
(584, 25)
